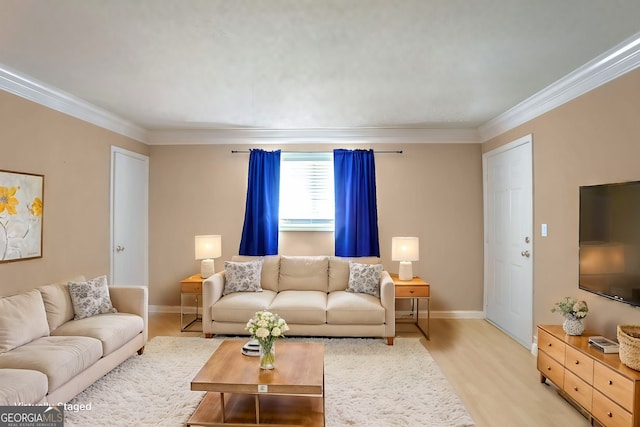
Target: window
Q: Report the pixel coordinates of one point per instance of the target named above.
(306, 192)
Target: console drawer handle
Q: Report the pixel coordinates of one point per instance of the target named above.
(610, 382)
(575, 388)
(577, 362)
(609, 414)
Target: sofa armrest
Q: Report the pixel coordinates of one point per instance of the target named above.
(388, 301)
(132, 300)
(212, 288)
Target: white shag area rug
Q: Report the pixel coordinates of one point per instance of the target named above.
(367, 383)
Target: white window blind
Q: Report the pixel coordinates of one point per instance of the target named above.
(306, 192)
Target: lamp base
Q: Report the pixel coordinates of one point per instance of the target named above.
(206, 268)
(406, 270)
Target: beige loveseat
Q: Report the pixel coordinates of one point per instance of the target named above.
(47, 357)
(310, 293)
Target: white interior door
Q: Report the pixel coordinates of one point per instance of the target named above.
(129, 218)
(508, 210)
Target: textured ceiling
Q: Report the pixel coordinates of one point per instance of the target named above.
(301, 64)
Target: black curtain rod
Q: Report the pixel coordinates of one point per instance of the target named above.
(284, 151)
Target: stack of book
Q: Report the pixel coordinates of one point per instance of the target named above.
(604, 344)
(252, 348)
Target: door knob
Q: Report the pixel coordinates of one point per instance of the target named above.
(525, 254)
(119, 248)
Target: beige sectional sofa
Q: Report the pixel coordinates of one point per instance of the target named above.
(310, 293)
(48, 357)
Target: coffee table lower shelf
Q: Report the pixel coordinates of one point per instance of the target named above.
(275, 410)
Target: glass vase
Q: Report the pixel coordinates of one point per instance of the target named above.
(573, 326)
(268, 356)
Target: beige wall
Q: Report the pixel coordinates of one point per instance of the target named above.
(593, 139)
(433, 191)
(74, 157)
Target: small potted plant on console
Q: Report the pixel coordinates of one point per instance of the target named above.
(573, 311)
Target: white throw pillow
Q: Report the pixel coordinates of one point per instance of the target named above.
(90, 298)
(57, 302)
(22, 320)
(364, 278)
(242, 276)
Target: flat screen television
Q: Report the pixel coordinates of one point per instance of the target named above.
(610, 241)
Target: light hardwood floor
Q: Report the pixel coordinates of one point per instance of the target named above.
(495, 377)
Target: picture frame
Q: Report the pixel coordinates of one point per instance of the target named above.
(21, 216)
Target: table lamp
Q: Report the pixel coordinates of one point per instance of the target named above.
(405, 250)
(207, 248)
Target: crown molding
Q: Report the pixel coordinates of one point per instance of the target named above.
(292, 136)
(29, 88)
(610, 65)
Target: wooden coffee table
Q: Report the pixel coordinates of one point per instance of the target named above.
(240, 393)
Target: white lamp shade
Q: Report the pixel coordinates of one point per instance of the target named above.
(405, 249)
(208, 246)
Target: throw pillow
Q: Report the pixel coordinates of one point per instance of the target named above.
(242, 276)
(22, 320)
(364, 278)
(90, 298)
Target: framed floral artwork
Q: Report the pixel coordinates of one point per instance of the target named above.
(21, 210)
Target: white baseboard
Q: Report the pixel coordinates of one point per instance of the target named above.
(450, 314)
(456, 314)
(168, 309)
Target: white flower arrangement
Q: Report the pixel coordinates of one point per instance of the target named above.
(266, 328)
(570, 307)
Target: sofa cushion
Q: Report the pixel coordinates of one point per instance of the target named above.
(304, 273)
(348, 308)
(20, 386)
(22, 320)
(240, 307)
(242, 276)
(90, 298)
(339, 270)
(270, 269)
(59, 358)
(364, 278)
(113, 330)
(301, 307)
(57, 302)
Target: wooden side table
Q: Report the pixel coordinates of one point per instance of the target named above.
(415, 290)
(192, 285)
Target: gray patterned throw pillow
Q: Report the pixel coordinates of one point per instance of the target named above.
(364, 278)
(242, 276)
(90, 298)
